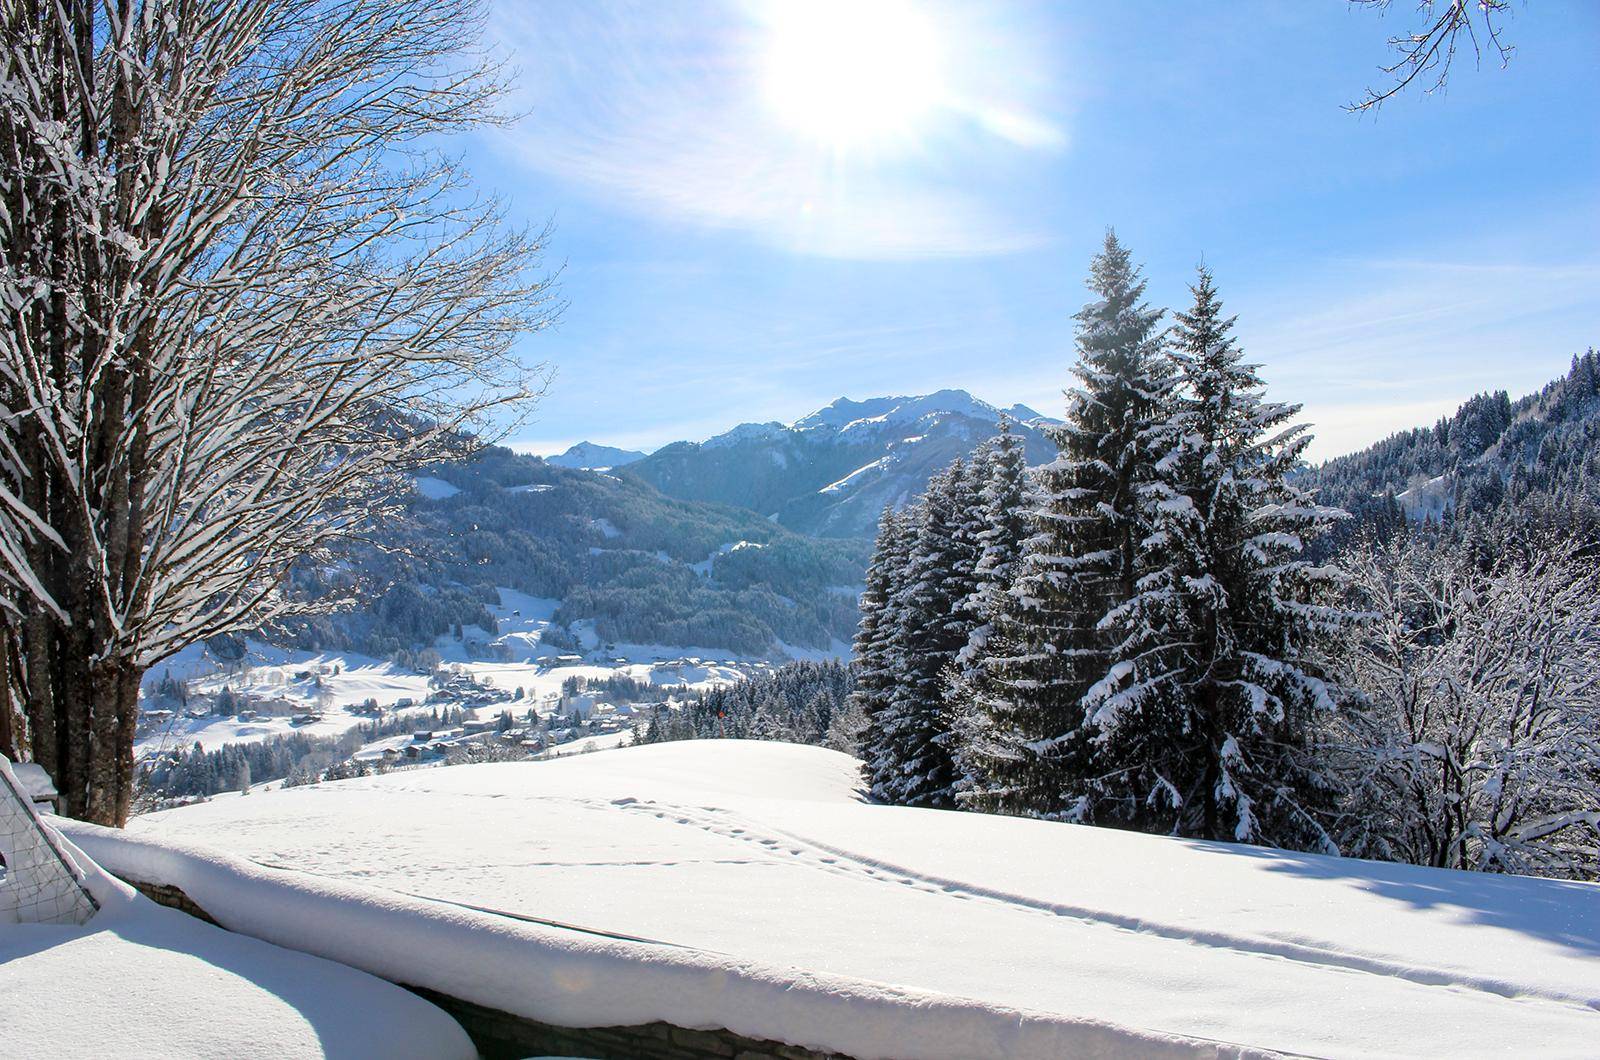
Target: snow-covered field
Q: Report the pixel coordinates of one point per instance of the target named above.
(792, 909)
(142, 981)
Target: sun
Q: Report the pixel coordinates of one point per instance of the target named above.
(852, 73)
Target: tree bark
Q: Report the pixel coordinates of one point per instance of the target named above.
(8, 746)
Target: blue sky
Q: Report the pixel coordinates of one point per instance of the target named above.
(741, 242)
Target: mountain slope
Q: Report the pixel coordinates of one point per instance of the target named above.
(831, 473)
(626, 563)
(806, 898)
(1494, 453)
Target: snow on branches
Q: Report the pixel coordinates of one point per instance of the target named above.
(243, 294)
(1478, 745)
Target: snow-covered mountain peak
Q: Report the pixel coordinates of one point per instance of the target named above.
(746, 432)
(845, 413)
(831, 473)
(1023, 414)
(590, 455)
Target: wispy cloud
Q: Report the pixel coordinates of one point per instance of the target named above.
(1408, 340)
(658, 109)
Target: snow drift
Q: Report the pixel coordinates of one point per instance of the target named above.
(747, 886)
(138, 980)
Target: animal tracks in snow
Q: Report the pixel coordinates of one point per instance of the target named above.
(785, 847)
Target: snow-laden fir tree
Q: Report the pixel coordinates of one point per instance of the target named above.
(932, 624)
(873, 647)
(1201, 725)
(1000, 517)
(1047, 648)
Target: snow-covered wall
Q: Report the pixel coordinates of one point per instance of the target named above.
(578, 979)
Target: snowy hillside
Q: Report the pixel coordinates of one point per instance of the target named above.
(89, 968)
(758, 863)
(831, 472)
(273, 693)
(140, 980)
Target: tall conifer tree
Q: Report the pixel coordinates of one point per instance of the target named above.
(1000, 518)
(1001, 529)
(1204, 723)
(1047, 648)
(933, 626)
(873, 641)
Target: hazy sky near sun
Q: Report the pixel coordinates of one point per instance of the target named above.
(761, 207)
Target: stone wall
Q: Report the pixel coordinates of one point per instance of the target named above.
(170, 896)
(504, 1036)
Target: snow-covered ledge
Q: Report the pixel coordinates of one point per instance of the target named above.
(571, 979)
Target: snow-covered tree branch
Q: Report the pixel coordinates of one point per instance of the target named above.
(243, 291)
(1480, 744)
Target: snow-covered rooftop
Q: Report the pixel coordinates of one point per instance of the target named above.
(784, 906)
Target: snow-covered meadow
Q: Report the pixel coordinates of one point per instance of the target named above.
(779, 904)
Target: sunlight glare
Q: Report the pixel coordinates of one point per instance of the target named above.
(849, 72)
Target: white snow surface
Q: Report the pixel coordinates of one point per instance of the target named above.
(139, 980)
(796, 911)
(845, 483)
(1427, 500)
(435, 489)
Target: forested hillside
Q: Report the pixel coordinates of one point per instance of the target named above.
(1540, 451)
(799, 703)
(624, 561)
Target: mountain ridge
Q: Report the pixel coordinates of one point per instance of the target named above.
(831, 472)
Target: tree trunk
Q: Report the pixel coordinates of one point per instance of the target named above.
(114, 690)
(94, 701)
(8, 740)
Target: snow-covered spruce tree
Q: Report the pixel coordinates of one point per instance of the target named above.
(932, 626)
(1477, 745)
(1001, 527)
(1047, 648)
(874, 647)
(242, 292)
(1000, 521)
(1203, 722)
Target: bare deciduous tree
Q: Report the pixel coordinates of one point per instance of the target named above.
(243, 292)
(1479, 744)
(1428, 53)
